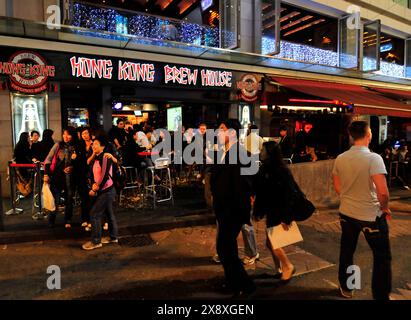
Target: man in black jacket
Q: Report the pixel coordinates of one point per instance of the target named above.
(232, 193)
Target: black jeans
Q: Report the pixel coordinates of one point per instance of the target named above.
(227, 249)
(377, 235)
(103, 205)
(57, 187)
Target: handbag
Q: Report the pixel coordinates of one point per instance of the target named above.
(297, 204)
(47, 198)
(23, 186)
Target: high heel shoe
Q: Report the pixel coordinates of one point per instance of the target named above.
(285, 281)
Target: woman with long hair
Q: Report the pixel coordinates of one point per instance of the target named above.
(22, 154)
(85, 151)
(46, 143)
(271, 180)
(59, 173)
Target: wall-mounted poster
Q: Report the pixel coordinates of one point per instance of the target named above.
(29, 113)
(174, 118)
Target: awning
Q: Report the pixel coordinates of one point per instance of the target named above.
(397, 94)
(364, 101)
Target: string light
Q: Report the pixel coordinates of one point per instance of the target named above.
(102, 19)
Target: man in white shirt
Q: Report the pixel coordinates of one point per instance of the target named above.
(359, 180)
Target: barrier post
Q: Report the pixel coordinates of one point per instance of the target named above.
(13, 195)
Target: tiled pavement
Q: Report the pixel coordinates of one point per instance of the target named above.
(327, 220)
(304, 261)
(402, 294)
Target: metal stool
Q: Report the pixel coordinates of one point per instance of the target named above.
(131, 182)
(163, 190)
(393, 172)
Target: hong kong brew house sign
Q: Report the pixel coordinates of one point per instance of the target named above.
(28, 72)
(146, 72)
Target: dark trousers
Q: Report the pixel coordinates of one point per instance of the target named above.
(103, 205)
(57, 187)
(377, 235)
(83, 192)
(227, 249)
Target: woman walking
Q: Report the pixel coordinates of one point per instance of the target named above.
(59, 172)
(270, 201)
(104, 193)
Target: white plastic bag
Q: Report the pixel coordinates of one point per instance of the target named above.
(47, 198)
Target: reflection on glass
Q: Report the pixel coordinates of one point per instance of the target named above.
(29, 113)
(371, 46)
(349, 39)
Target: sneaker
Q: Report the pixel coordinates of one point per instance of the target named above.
(216, 258)
(108, 240)
(84, 224)
(105, 226)
(68, 226)
(346, 293)
(250, 261)
(88, 228)
(88, 246)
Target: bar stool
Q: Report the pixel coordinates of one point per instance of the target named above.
(162, 191)
(393, 172)
(132, 182)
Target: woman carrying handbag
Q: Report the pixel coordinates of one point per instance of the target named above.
(270, 202)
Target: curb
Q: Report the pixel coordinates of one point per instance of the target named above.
(59, 233)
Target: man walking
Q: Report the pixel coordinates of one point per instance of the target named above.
(232, 204)
(359, 179)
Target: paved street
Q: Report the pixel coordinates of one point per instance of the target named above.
(176, 264)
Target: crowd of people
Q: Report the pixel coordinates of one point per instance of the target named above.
(86, 161)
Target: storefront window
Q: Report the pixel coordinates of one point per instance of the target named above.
(78, 117)
(349, 41)
(270, 26)
(29, 114)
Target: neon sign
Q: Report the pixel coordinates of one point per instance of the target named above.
(148, 72)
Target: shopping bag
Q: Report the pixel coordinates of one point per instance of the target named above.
(47, 198)
(280, 238)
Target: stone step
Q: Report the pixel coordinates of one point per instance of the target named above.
(405, 293)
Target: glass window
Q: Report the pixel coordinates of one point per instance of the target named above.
(270, 26)
(349, 41)
(371, 46)
(29, 114)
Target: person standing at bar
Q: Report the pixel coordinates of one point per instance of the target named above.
(359, 180)
(232, 194)
(35, 146)
(285, 143)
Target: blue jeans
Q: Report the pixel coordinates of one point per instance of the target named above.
(103, 205)
(250, 242)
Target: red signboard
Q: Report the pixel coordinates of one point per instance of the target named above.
(28, 72)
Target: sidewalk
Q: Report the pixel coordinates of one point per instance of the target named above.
(190, 210)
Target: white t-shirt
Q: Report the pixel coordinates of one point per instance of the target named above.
(358, 192)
